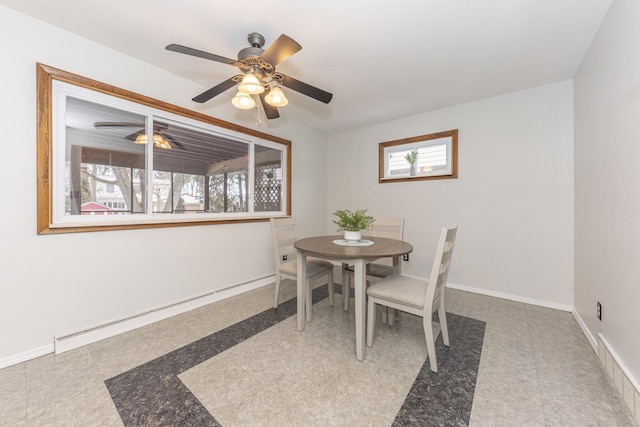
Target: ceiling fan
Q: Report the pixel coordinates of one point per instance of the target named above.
(160, 138)
(259, 75)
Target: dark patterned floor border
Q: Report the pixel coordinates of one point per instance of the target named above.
(153, 395)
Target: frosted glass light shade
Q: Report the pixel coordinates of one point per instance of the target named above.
(243, 101)
(141, 139)
(251, 85)
(276, 97)
(158, 140)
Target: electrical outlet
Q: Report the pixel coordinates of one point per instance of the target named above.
(599, 311)
(284, 257)
(405, 257)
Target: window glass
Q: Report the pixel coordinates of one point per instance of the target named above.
(268, 179)
(102, 166)
(199, 171)
(430, 158)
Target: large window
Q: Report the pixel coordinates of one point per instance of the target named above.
(110, 159)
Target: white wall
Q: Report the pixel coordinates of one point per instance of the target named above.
(513, 199)
(59, 283)
(607, 182)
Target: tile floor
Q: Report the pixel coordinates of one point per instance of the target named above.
(536, 369)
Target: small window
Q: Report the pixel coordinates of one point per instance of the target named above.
(433, 156)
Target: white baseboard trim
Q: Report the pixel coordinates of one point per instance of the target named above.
(27, 355)
(587, 333)
(532, 301)
(621, 377)
(70, 340)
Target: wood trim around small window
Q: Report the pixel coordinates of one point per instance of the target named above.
(415, 139)
(45, 75)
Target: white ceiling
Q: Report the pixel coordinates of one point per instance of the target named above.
(381, 60)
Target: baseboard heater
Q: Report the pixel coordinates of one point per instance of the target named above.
(70, 340)
(621, 377)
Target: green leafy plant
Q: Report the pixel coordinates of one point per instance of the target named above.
(411, 157)
(353, 221)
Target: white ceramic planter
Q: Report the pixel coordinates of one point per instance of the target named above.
(352, 236)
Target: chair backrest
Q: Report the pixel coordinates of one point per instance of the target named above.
(440, 268)
(283, 233)
(391, 228)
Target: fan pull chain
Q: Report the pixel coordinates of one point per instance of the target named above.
(258, 121)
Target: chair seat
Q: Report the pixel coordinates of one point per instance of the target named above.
(314, 267)
(401, 289)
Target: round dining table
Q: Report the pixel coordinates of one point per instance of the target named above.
(360, 253)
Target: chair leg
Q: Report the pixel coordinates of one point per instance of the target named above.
(371, 321)
(275, 298)
(431, 345)
(442, 315)
(330, 285)
(308, 302)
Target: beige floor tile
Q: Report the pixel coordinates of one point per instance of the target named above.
(471, 305)
(121, 353)
(13, 401)
(67, 389)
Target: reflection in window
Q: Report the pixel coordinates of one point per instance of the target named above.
(194, 170)
(104, 172)
(428, 159)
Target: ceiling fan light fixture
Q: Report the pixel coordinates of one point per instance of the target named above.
(161, 142)
(158, 140)
(251, 84)
(276, 97)
(141, 139)
(243, 101)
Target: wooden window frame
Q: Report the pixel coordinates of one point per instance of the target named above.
(414, 141)
(45, 75)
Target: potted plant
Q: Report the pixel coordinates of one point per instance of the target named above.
(352, 223)
(412, 158)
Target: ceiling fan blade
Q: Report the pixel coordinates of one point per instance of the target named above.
(172, 140)
(200, 54)
(216, 90)
(133, 136)
(269, 110)
(281, 49)
(119, 124)
(306, 89)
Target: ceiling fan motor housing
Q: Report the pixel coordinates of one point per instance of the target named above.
(256, 40)
(248, 52)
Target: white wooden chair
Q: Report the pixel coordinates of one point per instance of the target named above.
(283, 233)
(417, 296)
(391, 228)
